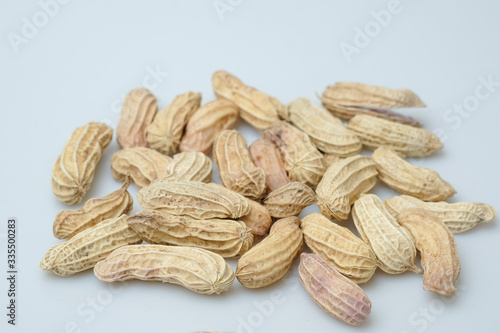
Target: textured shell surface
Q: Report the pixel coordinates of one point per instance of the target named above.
(228, 238)
(458, 217)
(339, 246)
(143, 165)
(268, 261)
(333, 292)
(437, 247)
(165, 132)
(343, 183)
(236, 168)
(86, 248)
(406, 140)
(189, 166)
(206, 123)
(303, 162)
(195, 199)
(324, 129)
(70, 222)
(74, 169)
(392, 244)
(138, 111)
(196, 269)
(258, 220)
(423, 183)
(289, 200)
(256, 108)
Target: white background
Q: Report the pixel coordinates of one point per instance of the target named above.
(81, 62)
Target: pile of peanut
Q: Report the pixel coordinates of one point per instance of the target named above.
(306, 155)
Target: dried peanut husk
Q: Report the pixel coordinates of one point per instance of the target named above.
(348, 99)
(138, 111)
(74, 168)
(289, 200)
(303, 162)
(206, 123)
(143, 165)
(458, 217)
(165, 132)
(70, 222)
(189, 166)
(340, 247)
(258, 220)
(256, 108)
(343, 183)
(324, 129)
(437, 247)
(406, 140)
(236, 168)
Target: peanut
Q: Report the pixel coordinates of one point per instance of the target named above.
(289, 200)
(189, 166)
(258, 220)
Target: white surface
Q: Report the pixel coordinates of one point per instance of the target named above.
(80, 64)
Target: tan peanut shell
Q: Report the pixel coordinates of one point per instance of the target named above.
(406, 140)
(196, 269)
(236, 168)
(74, 169)
(330, 159)
(339, 246)
(343, 183)
(289, 200)
(256, 108)
(258, 220)
(303, 162)
(437, 247)
(325, 130)
(189, 166)
(86, 248)
(138, 110)
(165, 132)
(333, 292)
(70, 222)
(144, 165)
(206, 123)
(348, 99)
(458, 217)
(267, 156)
(269, 260)
(423, 183)
(392, 244)
(227, 238)
(195, 199)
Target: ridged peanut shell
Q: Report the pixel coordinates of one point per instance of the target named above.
(343, 183)
(258, 220)
(196, 269)
(189, 166)
(333, 292)
(70, 222)
(195, 199)
(458, 217)
(268, 261)
(206, 123)
(138, 110)
(86, 248)
(348, 99)
(339, 246)
(267, 156)
(289, 200)
(325, 130)
(165, 132)
(392, 244)
(401, 176)
(437, 247)
(144, 165)
(256, 108)
(330, 159)
(404, 139)
(236, 168)
(303, 162)
(228, 238)
(74, 169)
